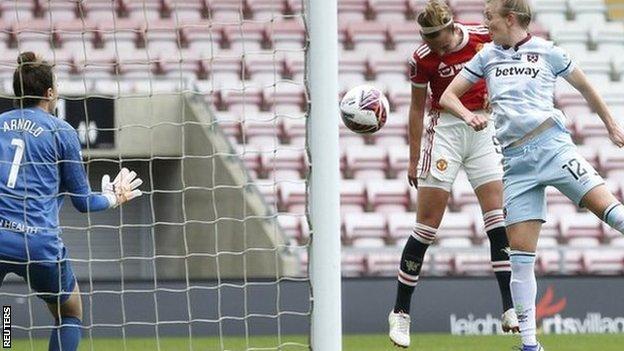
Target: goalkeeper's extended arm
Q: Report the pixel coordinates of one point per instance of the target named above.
(74, 179)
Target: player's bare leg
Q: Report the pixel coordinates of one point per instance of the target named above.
(603, 204)
(69, 317)
(523, 238)
(431, 205)
(490, 197)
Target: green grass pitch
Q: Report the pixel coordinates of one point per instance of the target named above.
(368, 342)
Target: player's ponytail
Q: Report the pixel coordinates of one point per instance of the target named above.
(435, 17)
(520, 8)
(31, 79)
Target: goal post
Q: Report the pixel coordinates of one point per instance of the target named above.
(228, 110)
(324, 180)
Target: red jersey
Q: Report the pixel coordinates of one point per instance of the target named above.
(427, 67)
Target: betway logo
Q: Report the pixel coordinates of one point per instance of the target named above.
(517, 71)
(548, 312)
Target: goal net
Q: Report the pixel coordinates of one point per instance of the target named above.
(207, 102)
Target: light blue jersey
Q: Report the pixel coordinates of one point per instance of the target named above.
(40, 161)
(521, 84)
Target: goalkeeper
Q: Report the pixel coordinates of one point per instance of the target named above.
(40, 162)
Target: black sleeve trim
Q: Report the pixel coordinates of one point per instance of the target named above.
(468, 69)
(563, 70)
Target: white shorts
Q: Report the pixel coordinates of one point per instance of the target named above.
(451, 144)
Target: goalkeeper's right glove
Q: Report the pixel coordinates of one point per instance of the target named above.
(122, 189)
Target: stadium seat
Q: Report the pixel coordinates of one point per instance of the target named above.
(468, 11)
(546, 243)
(388, 196)
(290, 225)
(610, 158)
(225, 10)
(392, 10)
(588, 11)
(550, 13)
(294, 132)
(245, 36)
(597, 67)
(366, 162)
(367, 38)
(617, 242)
(352, 10)
(556, 261)
(383, 263)
(285, 98)
(608, 38)
(363, 225)
(287, 35)
(242, 101)
(284, 159)
(262, 128)
(555, 198)
(264, 10)
(404, 37)
(354, 264)
(14, 11)
(400, 226)
(390, 70)
(462, 192)
(393, 133)
(352, 196)
(292, 197)
(581, 225)
(269, 190)
(604, 261)
(351, 69)
(441, 263)
(477, 263)
(456, 225)
(400, 100)
(398, 160)
(455, 243)
(573, 34)
(251, 157)
(583, 243)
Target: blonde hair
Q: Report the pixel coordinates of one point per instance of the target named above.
(520, 8)
(436, 13)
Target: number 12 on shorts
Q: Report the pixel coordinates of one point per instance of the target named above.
(574, 167)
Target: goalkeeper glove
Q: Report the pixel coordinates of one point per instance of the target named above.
(122, 189)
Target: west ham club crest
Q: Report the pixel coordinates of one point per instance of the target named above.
(532, 58)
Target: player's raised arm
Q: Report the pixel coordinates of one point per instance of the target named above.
(451, 102)
(579, 81)
(74, 179)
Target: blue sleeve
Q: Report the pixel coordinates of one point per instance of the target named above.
(560, 62)
(73, 176)
(473, 69)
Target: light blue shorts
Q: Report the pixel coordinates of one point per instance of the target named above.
(550, 158)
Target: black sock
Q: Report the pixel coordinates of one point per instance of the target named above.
(411, 264)
(500, 263)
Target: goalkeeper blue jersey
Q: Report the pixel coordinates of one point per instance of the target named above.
(40, 162)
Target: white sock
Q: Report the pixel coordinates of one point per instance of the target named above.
(524, 292)
(614, 216)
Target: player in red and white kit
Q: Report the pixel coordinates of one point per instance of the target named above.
(450, 144)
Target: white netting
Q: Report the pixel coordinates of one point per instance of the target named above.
(206, 101)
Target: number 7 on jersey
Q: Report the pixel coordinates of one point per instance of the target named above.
(17, 161)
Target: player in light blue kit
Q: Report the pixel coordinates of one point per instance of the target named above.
(40, 162)
(520, 73)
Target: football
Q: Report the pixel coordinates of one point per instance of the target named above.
(364, 109)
